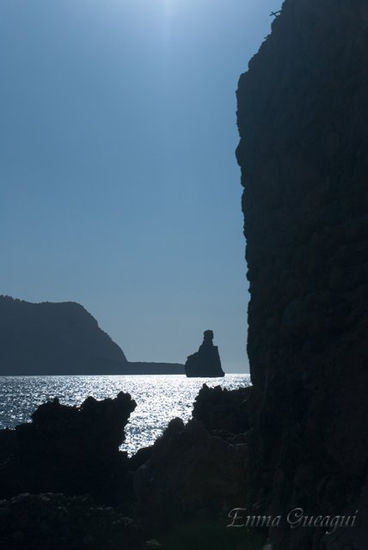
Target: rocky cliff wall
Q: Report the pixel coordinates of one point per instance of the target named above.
(303, 123)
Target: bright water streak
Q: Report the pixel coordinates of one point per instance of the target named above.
(159, 398)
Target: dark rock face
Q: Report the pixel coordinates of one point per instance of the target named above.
(54, 338)
(303, 119)
(54, 521)
(190, 474)
(74, 450)
(206, 361)
(221, 409)
(65, 466)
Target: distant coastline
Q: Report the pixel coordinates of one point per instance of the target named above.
(62, 338)
(141, 367)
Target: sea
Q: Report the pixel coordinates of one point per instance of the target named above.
(159, 398)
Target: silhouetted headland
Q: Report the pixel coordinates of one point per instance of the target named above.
(62, 338)
(206, 361)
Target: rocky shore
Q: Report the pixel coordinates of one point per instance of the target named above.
(65, 483)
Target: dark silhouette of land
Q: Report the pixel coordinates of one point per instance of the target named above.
(64, 480)
(61, 338)
(206, 361)
(74, 450)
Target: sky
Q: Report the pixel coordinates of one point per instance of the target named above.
(119, 187)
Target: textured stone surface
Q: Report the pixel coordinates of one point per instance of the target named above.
(303, 119)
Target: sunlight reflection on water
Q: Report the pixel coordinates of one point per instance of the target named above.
(159, 398)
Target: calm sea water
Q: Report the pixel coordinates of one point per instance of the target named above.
(159, 398)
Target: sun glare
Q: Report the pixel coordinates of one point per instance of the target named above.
(169, 7)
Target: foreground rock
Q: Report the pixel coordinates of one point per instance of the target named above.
(303, 118)
(184, 485)
(206, 361)
(222, 410)
(54, 521)
(74, 450)
(190, 475)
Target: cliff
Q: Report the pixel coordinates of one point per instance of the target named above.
(303, 119)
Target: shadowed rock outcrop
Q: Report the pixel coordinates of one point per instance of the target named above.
(206, 361)
(190, 475)
(73, 450)
(68, 462)
(303, 119)
(54, 521)
(221, 409)
(196, 471)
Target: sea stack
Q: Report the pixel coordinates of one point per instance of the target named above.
(206, 361)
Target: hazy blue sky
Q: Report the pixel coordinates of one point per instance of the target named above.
(119, 185)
